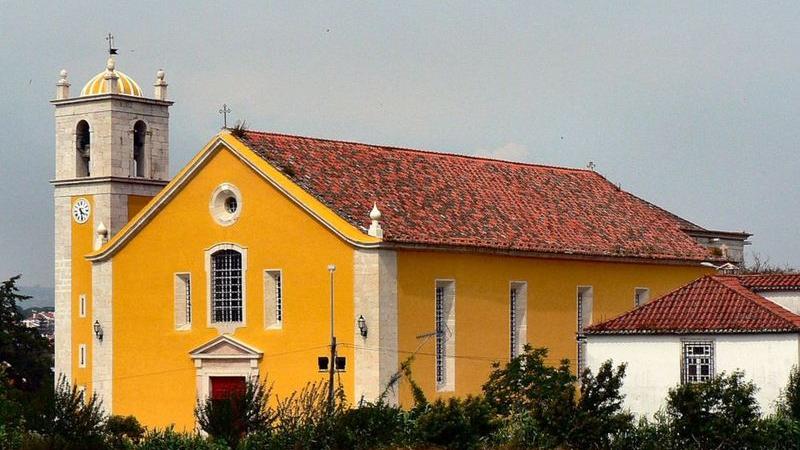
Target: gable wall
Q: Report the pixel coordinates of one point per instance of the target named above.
(154, 377)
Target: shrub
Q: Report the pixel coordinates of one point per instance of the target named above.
(306, 419)
(169, 439)
(123, 431)
(789, 402)
(720, 413)
(76, 419)
(231, 419)
(371, 425)
(456, 423)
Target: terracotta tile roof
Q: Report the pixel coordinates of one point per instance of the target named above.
(771, 281)
(712, 304)
(439, 199)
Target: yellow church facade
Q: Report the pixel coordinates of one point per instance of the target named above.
(167, 290)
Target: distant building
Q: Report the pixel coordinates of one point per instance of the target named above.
(719, 323)
(43, 321)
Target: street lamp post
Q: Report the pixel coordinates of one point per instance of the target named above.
(332, 361)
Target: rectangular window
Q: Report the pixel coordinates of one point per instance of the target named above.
(445, 317)
(183, 301)
(518, 312)
(273, 299)
(82, 305)
(82, 356)
(226, 286)
(698, 361)
(584, 319)
(82, 392)
(641, 296)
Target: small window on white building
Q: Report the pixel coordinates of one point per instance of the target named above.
(183, 301)
(82, 305)
(641, 296)
(82, 356)
(273, 299)
(698, 361)
(445, 334)
(585, 302)
(518, 317)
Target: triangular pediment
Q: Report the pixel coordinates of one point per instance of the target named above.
(225, 347)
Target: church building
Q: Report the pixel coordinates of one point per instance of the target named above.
(173, 289)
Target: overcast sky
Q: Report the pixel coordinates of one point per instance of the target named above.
(691, 106)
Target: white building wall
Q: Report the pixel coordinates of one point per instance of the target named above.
(788, 299)
(654, 364)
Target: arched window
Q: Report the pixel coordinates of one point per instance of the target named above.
(139, 133)
(82, 149)
(226, 286)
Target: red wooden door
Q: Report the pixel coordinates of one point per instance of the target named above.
(226, 387)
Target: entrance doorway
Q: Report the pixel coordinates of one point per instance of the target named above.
(223, 388)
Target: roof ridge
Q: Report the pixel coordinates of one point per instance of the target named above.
(428, 152)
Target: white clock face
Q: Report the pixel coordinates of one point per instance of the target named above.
(81, 210)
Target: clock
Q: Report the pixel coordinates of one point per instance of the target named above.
(81, 210)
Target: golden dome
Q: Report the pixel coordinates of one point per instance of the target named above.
(125, 84)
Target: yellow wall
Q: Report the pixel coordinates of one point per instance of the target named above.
(482, 314)
(82, 236)
(154, 379)
(136, 203)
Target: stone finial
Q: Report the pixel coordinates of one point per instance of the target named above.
(102, 236)
(111, 77)
(160, 86)
(376, 216)
(62, 86)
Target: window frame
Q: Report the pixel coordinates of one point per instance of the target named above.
(637, 300)
(445, 344)
(697, 342)
(183, 301)
(518, 317)
(82, 356)
(225, 327)
(278, 306)
(82, 306)
(580, 313)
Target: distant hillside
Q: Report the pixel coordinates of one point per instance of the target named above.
(41, 296)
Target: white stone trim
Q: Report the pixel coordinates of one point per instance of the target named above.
(63, 286)
(216, 204)
(243, 363)
(521, 313)
(375, 298)
(103, 350)
(181, 281)
(226, 327)
(449, 307)
(271, 321)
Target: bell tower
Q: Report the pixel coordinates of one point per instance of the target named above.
(112, 157)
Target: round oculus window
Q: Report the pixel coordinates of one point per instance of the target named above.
(226, 204)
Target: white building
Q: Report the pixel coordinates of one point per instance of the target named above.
(719, 323)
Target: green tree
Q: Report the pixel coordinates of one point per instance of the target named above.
(789, 402)
(25, 355)
(721, 413)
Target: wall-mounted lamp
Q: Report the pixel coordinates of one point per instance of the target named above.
(98, 330)
(362, 325)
